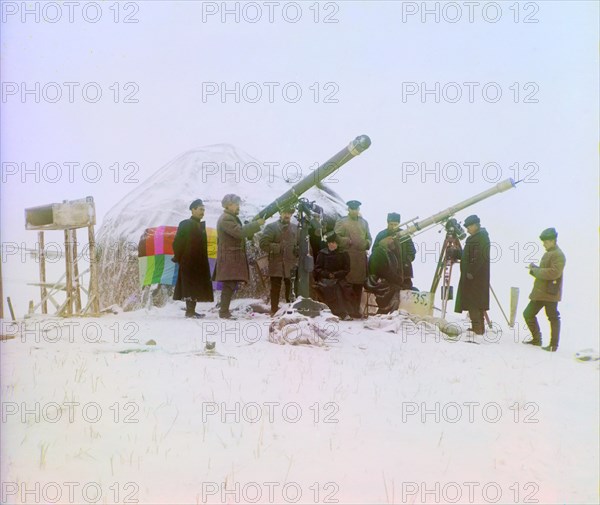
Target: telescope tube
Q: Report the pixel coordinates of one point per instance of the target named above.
(290, 197)
(450, 211)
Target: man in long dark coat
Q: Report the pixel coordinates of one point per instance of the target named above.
(280, 240)
(473, 292)
(547, 291)
(232, 263)
(190, 248)
(385, 277)
(331, 268)
(403, 249)
(354, 238)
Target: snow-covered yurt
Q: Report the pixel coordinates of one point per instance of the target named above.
(133, 241)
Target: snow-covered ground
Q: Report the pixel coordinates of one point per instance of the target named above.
(92, 414)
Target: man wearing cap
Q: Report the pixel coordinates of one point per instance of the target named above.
(354, 238)
(331, 268)
(190, 248)
(404, 250)
(473, 292)
(280, 241)
(547, 291)
(232, 264)
(385, 278)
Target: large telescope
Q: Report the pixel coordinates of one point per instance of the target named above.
(442, 216)
(422, 303)
(291, 197)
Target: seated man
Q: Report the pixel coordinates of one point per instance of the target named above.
(385, 277)
(403, 249)
(331, 269)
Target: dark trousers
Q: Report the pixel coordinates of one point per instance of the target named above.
(227, 291)
(477, 324)
(406, 283)
(387, 298)
(276, 290)
(530, 313)
(355, 297)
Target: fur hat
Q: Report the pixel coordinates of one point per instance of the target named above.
(229, 199)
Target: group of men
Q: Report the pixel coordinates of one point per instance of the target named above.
(343, 267)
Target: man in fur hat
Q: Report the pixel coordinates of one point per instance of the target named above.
(232, 263)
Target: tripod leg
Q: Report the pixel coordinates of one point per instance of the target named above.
(487, 319)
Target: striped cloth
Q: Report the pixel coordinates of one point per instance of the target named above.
(155, 252)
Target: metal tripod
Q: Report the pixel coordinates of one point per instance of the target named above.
(450, 254)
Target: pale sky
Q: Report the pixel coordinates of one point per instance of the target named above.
(366, 72)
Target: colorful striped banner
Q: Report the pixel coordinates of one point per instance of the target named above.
(155, 252)
(158, 269)
(157, 240)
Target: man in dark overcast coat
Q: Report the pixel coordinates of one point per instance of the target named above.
(190, 248)
(473, 292)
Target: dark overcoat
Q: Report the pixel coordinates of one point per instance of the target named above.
(331, 270)
(190, 248)
(474, 293)
(383, 264)
(404, 250)
(232, 263)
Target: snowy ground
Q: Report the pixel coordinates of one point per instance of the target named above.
(372, 417)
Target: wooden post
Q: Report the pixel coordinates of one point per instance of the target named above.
(1, 292)
(93, 289)
(69, 278)
(76, 290)
(514, 300)
(10, 307)
(42, 257)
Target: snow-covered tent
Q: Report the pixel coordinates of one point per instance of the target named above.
(163, 200)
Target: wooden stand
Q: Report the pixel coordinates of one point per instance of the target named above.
(67, 216)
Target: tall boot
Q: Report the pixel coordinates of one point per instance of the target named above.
(534, 328)
(190, 310)
(275, 290)
(226, 295)
(477, 322)
(554, 334)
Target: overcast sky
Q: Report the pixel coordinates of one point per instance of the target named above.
(486, 91)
